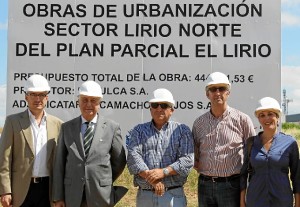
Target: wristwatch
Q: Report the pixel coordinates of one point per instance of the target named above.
(166, 171)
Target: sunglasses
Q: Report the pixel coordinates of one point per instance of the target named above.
(221, 89)
(162, 105)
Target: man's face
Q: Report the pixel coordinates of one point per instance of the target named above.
(218, 94)
(89, 106)
(36, 100)
(161, 113)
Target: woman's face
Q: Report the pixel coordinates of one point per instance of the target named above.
(268, 120)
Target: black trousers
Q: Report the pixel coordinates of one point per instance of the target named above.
(38, 194)
(83, 201)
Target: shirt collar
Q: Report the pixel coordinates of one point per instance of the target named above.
(94, 120)
(274, 137)
(163, 127)
(32, 117)
(226, 113)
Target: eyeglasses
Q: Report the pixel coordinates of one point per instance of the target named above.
(162, 105)
(221, 89)
(40, 95)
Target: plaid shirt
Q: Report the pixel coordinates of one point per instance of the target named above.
(150, 148)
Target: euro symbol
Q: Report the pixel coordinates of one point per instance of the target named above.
(250, 78)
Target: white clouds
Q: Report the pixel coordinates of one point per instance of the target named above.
(2, 104)
(290, 75)
(3, 26)
(290, 3)
(289, 20)
(290, 11)
(290, 80)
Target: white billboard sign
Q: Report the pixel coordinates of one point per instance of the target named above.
(134, 47)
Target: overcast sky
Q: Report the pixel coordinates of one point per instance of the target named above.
(290, 19)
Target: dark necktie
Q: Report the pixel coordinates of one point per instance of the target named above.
(88, 137)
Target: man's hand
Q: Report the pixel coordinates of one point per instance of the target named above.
(154, 176)
(59, 204)
(144, 174)
(159, 188)
(6, 200)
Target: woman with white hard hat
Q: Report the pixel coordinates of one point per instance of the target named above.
(271, 161)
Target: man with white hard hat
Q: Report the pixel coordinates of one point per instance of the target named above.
(219, 137)
(27, 149)
(160, 155)
(90, 156)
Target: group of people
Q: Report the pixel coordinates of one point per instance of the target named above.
(45, 162)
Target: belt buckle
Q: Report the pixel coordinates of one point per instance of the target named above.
(213, 179)
(36, 180)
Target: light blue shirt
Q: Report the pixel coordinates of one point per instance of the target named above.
(150, 148)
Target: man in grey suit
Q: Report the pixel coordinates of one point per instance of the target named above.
(90, 156)
(27, 147)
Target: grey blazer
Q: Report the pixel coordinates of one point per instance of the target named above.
(73, 174)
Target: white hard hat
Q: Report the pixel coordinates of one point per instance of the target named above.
(90, 88)
(162, 95)
(268, 104)
(217, 78)
(37, 83)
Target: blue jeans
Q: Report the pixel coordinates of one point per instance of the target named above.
(219, 194)
(171, 198)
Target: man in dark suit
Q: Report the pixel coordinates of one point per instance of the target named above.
(27, 147)
(90, 156)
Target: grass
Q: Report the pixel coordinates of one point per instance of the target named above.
(128, 200)
(292, 129)
(191, 185)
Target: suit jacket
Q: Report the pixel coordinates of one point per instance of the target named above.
(17, 154)
(74, 175)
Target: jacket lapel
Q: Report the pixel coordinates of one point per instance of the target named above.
(25, 125)
(51, 136)
(77, 136)
(101, 124)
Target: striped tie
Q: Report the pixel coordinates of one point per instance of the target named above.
(88, 137)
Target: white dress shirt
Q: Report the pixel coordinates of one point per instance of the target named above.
(39, 133)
